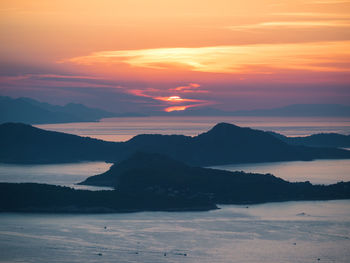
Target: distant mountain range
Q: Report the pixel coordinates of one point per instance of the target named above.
(223, 144)
(295, 110)
(31, 111)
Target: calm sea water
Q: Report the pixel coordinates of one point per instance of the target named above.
(59, 174)
(278, 232)
(317, 172)
(121, 129)
(274, 232)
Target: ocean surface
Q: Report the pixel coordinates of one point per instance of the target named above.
(67, 174)
(317, 171)
(122, 129)
(275, 232)
(316, 231)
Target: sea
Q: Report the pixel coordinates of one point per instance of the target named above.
(304, 231)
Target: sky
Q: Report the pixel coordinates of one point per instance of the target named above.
(165, 55)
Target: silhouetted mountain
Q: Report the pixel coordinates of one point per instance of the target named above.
(157, 174)
(227, 143)
(295, 110)
(317, 140)
(21, 143)
(31, 111)
(30, 197)
(223, 144)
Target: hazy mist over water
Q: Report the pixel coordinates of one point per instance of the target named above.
(122, 129)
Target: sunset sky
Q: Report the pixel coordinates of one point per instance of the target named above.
(166, 55)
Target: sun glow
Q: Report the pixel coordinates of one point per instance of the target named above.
(144, 55)
(176, 108)
(174, 98)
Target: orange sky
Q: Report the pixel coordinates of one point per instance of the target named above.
(150, 48)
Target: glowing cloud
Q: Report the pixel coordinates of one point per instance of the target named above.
(190, 88)
(176, 108)
(175, 99)
(243, 59)
(56, 80)
(294, 24)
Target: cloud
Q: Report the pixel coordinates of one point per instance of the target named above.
(330, 2)
(176, 99)
(176, 108)
(294, 24)
(190, 88)
(89, 90)
(57, 80)
(239, 59)
(173, 98)
(184, 107)
(312, 15)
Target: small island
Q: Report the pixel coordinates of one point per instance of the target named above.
(154, 182)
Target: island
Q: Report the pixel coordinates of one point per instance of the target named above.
(158, 174)
(223, 144)
(154, 182)
(334, 140)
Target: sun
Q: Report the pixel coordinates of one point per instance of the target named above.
(174, 98)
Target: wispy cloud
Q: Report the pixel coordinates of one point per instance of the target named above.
(190, 88)
(177, 101)
(293, 24)
(56, 80)
(243, 59)
(311, 15)
(330, 2)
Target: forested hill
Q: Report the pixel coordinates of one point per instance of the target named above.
(223, 144)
